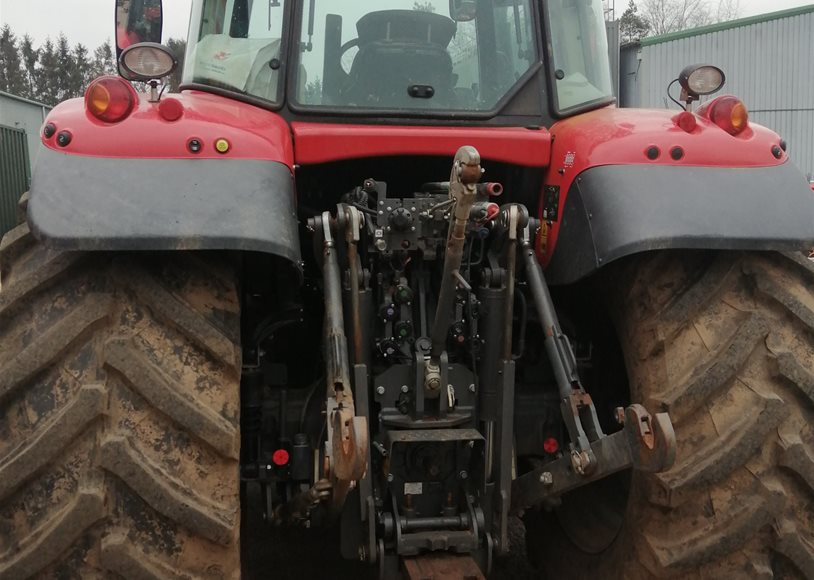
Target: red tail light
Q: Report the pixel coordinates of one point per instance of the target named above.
(110, 99)
(729, 113)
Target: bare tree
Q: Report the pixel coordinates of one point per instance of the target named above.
(727, 10)
(665, 16)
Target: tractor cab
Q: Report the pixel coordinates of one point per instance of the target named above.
(438, 58)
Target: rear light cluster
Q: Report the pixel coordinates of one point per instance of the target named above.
(110, 99)
(728, 112)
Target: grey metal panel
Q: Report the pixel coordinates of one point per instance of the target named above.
(15, 174)
(614, 211)
(797, 128)
(769, 65)
(26, 115)
(612, 30)
(628, 75)
(103, 203)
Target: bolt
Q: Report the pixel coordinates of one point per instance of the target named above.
(380, 389)
(463, 474)
(390, 477)
(581, 462)
(619, 415)
(472, 388)
(404, 388)
(546, 478)
(268, 467)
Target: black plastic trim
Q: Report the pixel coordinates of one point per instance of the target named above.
(103, 203)
(614, 211)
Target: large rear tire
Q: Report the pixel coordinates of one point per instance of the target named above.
(725, 343)
(119, 414)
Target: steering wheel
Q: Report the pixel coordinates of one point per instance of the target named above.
(344, 49)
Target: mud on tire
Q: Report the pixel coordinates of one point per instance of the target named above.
(725, 343)
(119, 414)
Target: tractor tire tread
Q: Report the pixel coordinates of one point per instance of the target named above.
(119, 414)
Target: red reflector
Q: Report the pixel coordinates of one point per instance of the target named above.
(280, 457)
(551, 445)
(686, 121)
(170, 109)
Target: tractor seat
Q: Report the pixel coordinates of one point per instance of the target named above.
(399, 49)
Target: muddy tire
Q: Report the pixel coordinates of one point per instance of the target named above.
(725, 343)
(119, 414)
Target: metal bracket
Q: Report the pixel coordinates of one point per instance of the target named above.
(551, 202)
(646, 443)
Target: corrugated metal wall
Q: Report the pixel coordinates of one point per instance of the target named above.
(15, 174)
(23, 114)
(768, 64)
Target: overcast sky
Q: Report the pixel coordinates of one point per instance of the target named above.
(91, 21)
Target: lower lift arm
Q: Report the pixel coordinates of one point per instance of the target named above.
(646, 443)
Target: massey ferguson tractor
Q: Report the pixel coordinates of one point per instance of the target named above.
(402, 271)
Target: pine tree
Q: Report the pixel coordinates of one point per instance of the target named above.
(66, 66)
(81, 73)
(631, 25)
(178, 47)
(31, 57)
(12, 79)
(104, 63)
(48, 82)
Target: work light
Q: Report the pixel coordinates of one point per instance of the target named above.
(701, 79)
(147, 61)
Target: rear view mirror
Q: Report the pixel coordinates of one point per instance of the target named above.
(137, 21)
(462, 10)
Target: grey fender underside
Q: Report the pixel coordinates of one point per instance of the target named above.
(614, 211)
(103, 203)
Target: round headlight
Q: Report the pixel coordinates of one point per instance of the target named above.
(146, 61)
(701, 79)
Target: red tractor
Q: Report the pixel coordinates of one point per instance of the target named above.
(289, 295)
